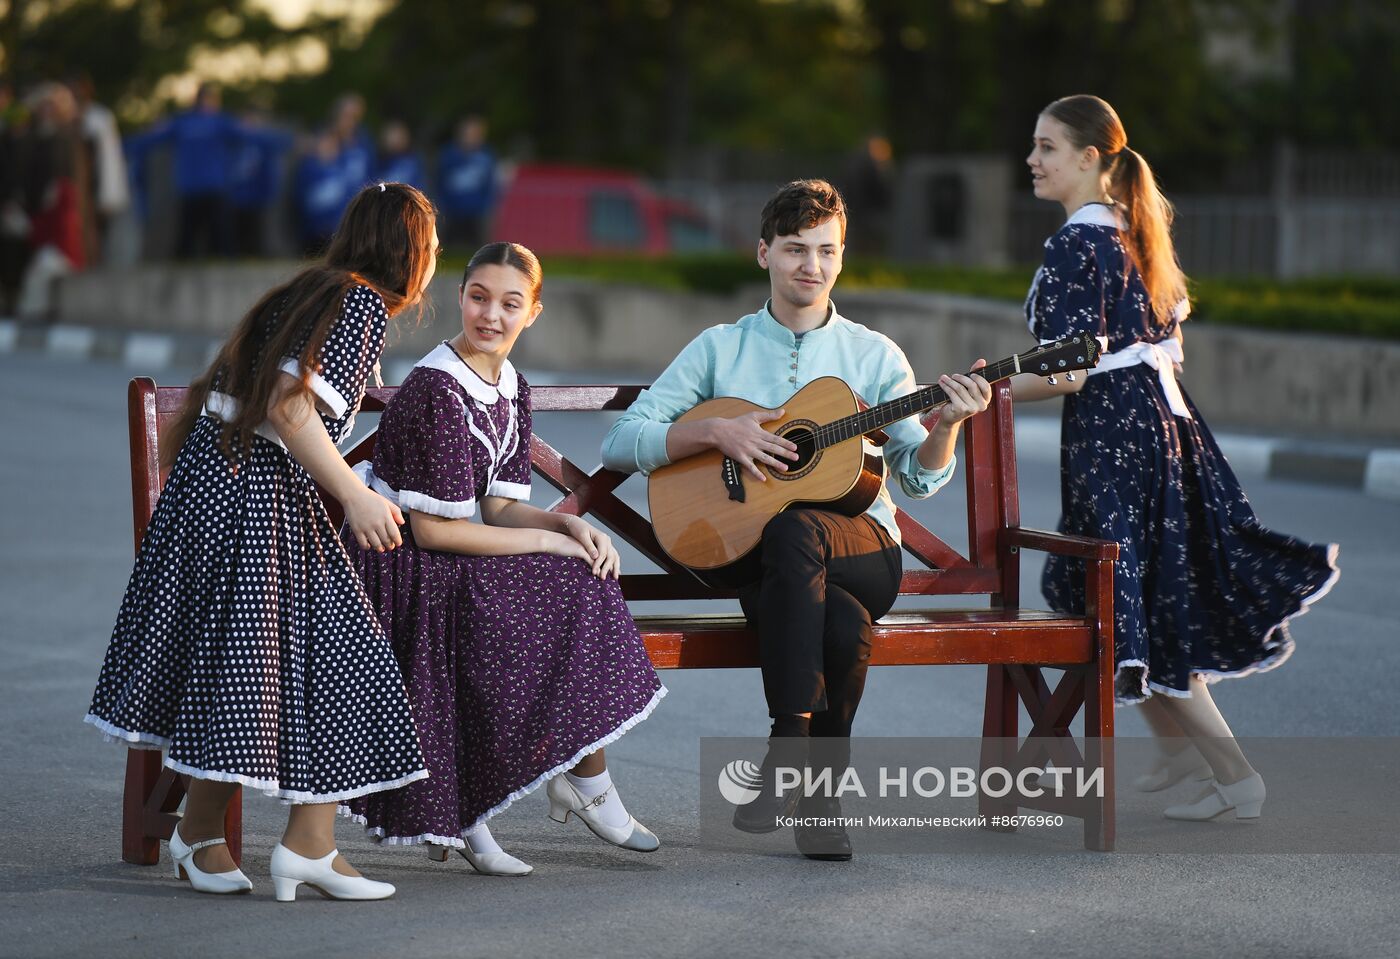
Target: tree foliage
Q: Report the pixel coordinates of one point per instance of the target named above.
(657, 83)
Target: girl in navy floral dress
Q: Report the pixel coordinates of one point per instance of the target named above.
(521, 658)
(245, 646)
(1202, 591)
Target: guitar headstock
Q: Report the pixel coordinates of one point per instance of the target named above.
(1078, 352)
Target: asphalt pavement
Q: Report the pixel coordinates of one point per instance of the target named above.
(65, 554)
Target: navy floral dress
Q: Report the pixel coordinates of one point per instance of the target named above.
(1200, 586)
(517, 667)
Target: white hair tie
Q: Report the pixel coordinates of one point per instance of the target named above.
(381, 188)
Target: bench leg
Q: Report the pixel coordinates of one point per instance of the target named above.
(1000, 716)
(150, 798)
(1100, 822)
(233, 826)
(143, 770)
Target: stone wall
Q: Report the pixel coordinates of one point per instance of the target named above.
(1306, 385)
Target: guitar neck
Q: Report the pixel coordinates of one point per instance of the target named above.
(878, 417)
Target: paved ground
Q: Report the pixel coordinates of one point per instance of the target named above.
(65, 552)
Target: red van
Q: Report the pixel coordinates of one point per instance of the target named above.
(570, 210)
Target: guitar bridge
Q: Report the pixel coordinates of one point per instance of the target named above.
(733, 479)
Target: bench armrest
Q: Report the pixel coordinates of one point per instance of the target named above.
(1081, 546)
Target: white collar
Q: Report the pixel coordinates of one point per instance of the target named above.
(445, 358)
(1096, 214)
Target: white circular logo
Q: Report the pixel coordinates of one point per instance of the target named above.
(739, 782)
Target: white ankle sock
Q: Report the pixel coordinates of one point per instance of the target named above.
(480, 840)
(612, 812)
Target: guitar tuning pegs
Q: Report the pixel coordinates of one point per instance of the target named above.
(1069, 377)
(1051, 380)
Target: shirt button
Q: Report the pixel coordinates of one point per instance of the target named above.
(792, 379)
(793, 366)
(794, 356)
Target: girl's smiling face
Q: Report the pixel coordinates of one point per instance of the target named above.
(496, 307)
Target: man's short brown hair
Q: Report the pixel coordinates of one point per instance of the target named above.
(801, 205)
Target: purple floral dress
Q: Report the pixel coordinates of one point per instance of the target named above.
(516, 666)
(1201, 587)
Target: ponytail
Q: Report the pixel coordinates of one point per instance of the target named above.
(1148, 236)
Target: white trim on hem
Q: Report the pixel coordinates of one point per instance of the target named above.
(1275, 658)
(115, 734)
(268, 787)
(376, 833)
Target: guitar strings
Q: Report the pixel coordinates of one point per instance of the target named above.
(878, 417)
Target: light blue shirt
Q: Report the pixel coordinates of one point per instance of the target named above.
(760, 360)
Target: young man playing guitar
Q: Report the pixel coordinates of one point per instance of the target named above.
(823, 577)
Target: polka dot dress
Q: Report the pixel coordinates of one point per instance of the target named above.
(245, 645)
(517, 666)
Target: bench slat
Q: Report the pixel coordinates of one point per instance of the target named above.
(912, 637)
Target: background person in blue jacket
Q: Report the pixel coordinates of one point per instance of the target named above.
(320, 193)
(355, 148)
(398, 161)
(467, 183)
(256, 181)
(204, 140)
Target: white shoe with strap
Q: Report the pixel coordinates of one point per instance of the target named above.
(487, 863)
(216, 883)
(565, 800)
(1245, 797)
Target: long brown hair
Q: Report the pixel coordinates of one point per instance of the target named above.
(384, 241)
(1090, 121)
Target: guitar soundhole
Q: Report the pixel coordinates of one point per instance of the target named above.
(799, 432)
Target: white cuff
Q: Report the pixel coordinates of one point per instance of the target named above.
(410, 499)
(330, 397)
(510, 490)
(422, 503)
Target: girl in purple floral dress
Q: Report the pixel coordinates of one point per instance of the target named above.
(1202, 590)
(519, 653)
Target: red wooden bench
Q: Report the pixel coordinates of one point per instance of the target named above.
(1015, 643)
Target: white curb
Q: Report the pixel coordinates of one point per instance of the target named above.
(72, 342)
(148, 351)
(1383, 474)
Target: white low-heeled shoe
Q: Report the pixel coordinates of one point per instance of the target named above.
(1186, 764)
(290, 870)
(486, 863)
(217, 883)
(564, 799)
(1245, 797)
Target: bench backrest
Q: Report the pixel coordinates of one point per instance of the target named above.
(988, 464)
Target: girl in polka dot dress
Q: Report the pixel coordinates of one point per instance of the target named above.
(521, 658)
(1202, 591)
(245, 646)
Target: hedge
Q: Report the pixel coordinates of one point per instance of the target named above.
(1360, 306)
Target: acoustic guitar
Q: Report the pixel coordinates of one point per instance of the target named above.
(707, 514)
